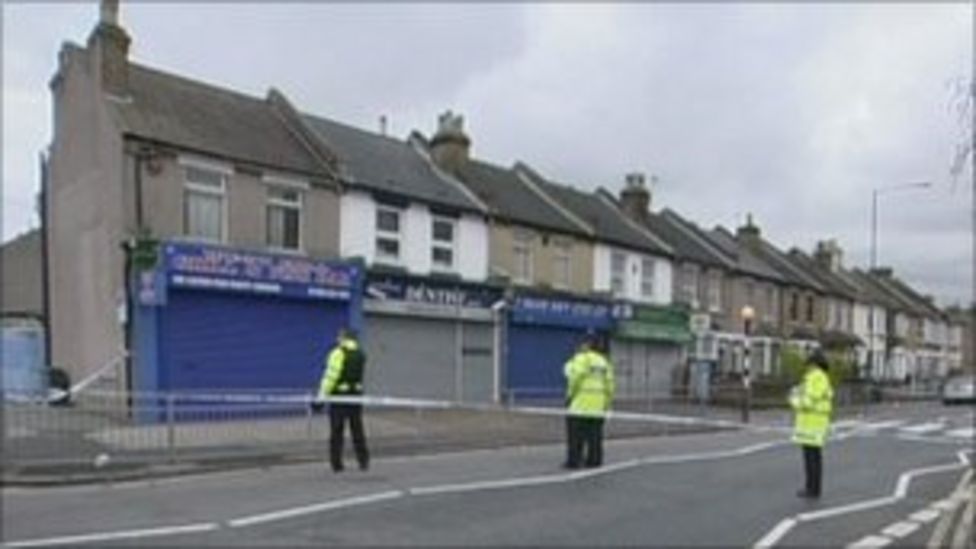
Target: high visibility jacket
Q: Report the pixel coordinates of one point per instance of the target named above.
(343, 370)
(589, 383)
(812, 402)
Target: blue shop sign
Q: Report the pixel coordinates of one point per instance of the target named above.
(388, 287)
(199, 266)
(556, 311)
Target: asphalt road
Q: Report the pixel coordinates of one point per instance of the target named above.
(898, 477)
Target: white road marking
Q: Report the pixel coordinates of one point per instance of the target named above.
(901, 489)
(870, 542)
(315, 508)
(946, 505)
(107, 536)
(878, 425)
(900, 529)
(966, 432)
(923, 428)
(775, 534)
(965, 526)
(925, 516)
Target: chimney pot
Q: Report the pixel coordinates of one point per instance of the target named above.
(109, 44)
(450, 147)
(635, 198)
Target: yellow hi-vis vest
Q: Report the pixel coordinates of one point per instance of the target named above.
(812, 401)
(333, 379)
(589, 383)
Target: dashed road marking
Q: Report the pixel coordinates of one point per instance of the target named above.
(900, 529)
(870, 542)
(109, 536)
(925, 516)
(966, 432)
(923, 428)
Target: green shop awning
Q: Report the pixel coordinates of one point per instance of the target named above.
(667, 324)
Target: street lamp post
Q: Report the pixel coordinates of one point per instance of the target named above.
(875, 193)
(748, 314)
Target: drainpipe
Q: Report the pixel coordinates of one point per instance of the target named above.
(45, 261)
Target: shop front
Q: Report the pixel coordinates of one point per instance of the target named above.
(432, 338)
(543, 333)
(213, 319)
(648, 349)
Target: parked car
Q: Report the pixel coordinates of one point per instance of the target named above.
(959, 389)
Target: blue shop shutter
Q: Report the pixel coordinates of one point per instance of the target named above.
(214, 341)
(536, 355)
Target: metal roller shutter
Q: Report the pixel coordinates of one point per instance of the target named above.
(410, 357)
(536, 355)
(223, 341)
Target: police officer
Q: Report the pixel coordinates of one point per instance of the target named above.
(812, 402)
(343, 377)
(589, 391)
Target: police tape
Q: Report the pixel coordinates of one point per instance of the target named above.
(305, 400)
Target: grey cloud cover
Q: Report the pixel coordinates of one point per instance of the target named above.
(793, 112)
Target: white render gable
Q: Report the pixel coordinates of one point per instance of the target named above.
(358, 236)
(633, 275)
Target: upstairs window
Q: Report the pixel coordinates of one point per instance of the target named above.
(204, 204)
(561, 265)
(388, 238)
(715, 292)
(647, 277)
(284, 220)
(794, 306)
(689, 285)
(522, 256)
(443, 236)
(809, 308)
(618, 272)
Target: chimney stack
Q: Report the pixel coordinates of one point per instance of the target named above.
(829, 255)
(450, 147)
(109, 46)
(749, 233)
(635, 198)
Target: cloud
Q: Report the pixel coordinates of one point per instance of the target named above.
(793, 112)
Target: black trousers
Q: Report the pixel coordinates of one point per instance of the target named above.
(584, 441)
(813, 467)
(339, 416)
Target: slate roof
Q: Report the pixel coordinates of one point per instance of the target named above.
(509, 198)
(832, 283)
(747, 261)
(380, 163)
(202, 117)
(793, 274)
(685, 242)
(875, 292)
(922, 305)
(603, 217)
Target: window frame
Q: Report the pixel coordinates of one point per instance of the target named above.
(436, 244)
(689, 283)
(714, 291)
(198, 188)
(275, 202)
(522, 241)
(385, 234)
(562, 264)
(622, 290)
(647, 276)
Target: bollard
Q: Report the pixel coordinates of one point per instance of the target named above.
(746, 398)
(308, 426)
(170, 429)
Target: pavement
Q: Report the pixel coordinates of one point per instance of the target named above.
(899, 476)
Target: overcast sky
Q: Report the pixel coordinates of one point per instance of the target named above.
(791, 112)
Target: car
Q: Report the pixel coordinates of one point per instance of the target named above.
(959, 389)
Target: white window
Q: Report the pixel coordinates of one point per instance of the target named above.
(522, 256)
(284, 223)
(388, 248)
(647, 277)
(204, 204)
(770, 310)
(443, 236)
(561, 265)
(689, 285)
(715, 292)
(618, 272)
